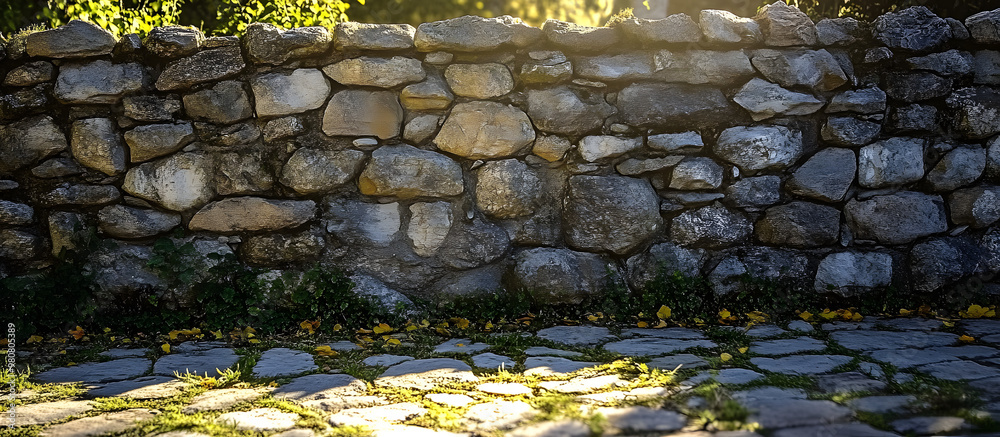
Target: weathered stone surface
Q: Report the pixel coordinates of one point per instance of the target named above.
(467, 34)
(405, 171)
(20, 245)
(429, 226)
(916, 86)
(483, 130)
(540, 350)
(785, 25)
(431, 94)
(310, 171)
(786, 413)
(712, 226)
(759, 147)
(850, 131)
(976, 111)
(634, 166)
(376, 72)
(959, 167)
(611, 213)
(351, 35)
(837, 31)
(561, 110)
(203, 361)
(826, 176)
(560, 275)
(816, 69)
(32, 73)
(787, 346)
(665, 258)
(243, 173)
(268, 44)
(596, 147)
(363, 113)
(915, 117)
(984, 26)
(949, 63)
(43, 413)
(279, 362)
(252, 214)
(696, 173)
(108, 371)
(765, 100)
(98, 82)
(479, 81)
(155, 140)
(278, 94)
(259, 419)
(421, 128)
(915, 28)
(571, 36)
(57, 168)
(546, 366)
(939, 262)
(96, 144)
(717, 67)
(100, 425)
(76, 39)
(150, 108)
(173, 41)
(625, 66)
(320, 386)
(637, 347)
(896, 218)
(655, 104)
(13, 213)
(978, 206)
(221, 399)
(553, 148)
(801, 364)
(849, 273)
(142, 388)
(577, 335)
(507, 189)
(755, 191)
(67, 194)
(362, 223)
(725, 27)
(869, 100)
(275, 249)
(676, 143)
(425, 374)
(122, 221)
(986, 66)
(799, 224)
(225, 103)
(178, 182)
(760, 262)
(676, 28)
(204, 66)
(864, 340)
(891, 162)
(460, 346)
(473, 244)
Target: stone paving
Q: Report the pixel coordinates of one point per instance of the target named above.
(878, 377)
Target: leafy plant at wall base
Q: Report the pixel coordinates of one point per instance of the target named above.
(329, 295)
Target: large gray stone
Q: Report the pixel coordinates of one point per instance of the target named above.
(224, 103)
(848, 273)
(20, 244)
(939, 262)
(610, 213)
(850, 131)
(755, 192)
(561, 110)
(507, 189)
(363, 113)
(320, 386)
(639, 419)
(916, 86)
(756, 148)
(376, 72)
(896, 218)
(654, 346)
(560, 275)
(246, 172)
(204, 66)
(657, 104)
(761, 262)
(915, 28)
(155, 140)
(869, 100)
(915, 117)
(204, 362)
(431, 94)
(221, 399)
(891, 162)
(469, 34)
(76, 39)
(787, 346)
(87, 195)
(173, 41)
(950, 63)
(716, 67)
(310, 171)
(986, 67)
(620, 67)
(150, 108)
(553, 366)
(725, 27)
(351, 35)
(142, 388)
(405, 171)
(277, 249)
(577, 335)
(596, 147)
(108, 371)
(976, 111)
(425, 374)
(363, 224)
(816, 69)
(429, 226)
(960, 370)
(122, 221)
(799, 224)
(96, 144)
(45, 412)
(97, 82)
(178, 182)
(958, 168)
(266, 43)
(864, 340)
(785, 25)
(793, 413)
(676, 143)
(834, 430)
(838, 31)
(474, 243)
(280, 362)
(13, 213)
(712, 226)
(801, 364)
(665, 258)
(277, 94)
(984, 26)
(259, 420)
(479, 81)
(32, 73)
(236, 214)
(575, 37)
(696, 173)
(485, 130)
(110, 423)
(826, 176)
(765, 100)
(977, 206)
(676, 28)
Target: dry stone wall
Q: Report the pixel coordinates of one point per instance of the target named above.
(472, 155)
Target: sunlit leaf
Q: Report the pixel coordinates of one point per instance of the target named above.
(165, 348)
(725, 357)
(663, 312)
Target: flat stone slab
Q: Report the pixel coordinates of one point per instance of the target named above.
(801, 364)
(343, 346)
(411, 431)
(99, 425)
(928, 425)
(896, 404)
(124, 353)
(642, 419)
(562, 428)
(203, 362)
(616, 396)
(40, 414)
(637, 347)
(747, 397)
(872, 340)
(834, 430)
(848, 326)
(337, 403)
(460, 346)
(260, 420)
(283, 362)
(451, 400)
(787, 346)
(425, 374)
(960, 370)
(670, 362)
(385, 360)
(786, 413)
(727, 376)
(577, 335)
(147, 387)
(222, 399)
(547, 366)
(907, 358)
(981, 327)
(584, 385)
(675, 333)
(765, 331)
(535, 351)
(493, 361)
(321, 386)
(496, 415)
(301, 432)
(374, 416)
(108, 371)
(910, 324)
(848, 382)
(504, 389)
(801, 326)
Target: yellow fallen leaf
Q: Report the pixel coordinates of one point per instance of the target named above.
(806, 315)
(488, 327)
(412, 328)
(33, 339)
(382, 328)
(905, 312)
(309, 325)
(966, 339)
(663, 312)
(253, 341)
(698, 321)
(325, 351)
(217, 334)
(976, 312)
(462, 323)
(165, 348)
(126, 340)
(337, 327)
(744, 350)
(393, 341)
(948, 324)
(424, 323)
(107, 330)
(62, 352)
(592, 318)
(857, 317)
(77, 333)
(725, 357)
(642, 324)
(827, 314)
(662, 324)
(725, 314)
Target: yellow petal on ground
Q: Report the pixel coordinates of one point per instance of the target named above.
(966, 339)
(77, 333)
(827, 314)
(725, 357)
(165, 348)
(663, 312)
(107, 330)
(424, 323)
(489, 326)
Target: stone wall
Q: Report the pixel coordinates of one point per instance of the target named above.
(474, 154)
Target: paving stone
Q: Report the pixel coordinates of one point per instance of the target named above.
(222, 399)
(583, 385)
(337, 403)
(727, 376)
(505, 389)
(848, 382)
(576, 335)
(779, 413)
(648, 346)
(546, 366)
(871, 369)
(147, 387)
(981, 327)
(910, 324)
(343, 346)
(461, 346)
(765, 331)
(281, 361)
(320, 387)
(377, 415)
(670, 362)
(493, 361)
(896, 404)
(425, 374)
(675, 333)
(847, 326)
(301, 432)
(871, 340)
(928, 425)
(260, 419)
(108, 371)
(124, 353)
(906, 358)
(497, 415)
(202, 362)
(451, 400)
(959, 370)
(100, 425)
(640, 419)
(561, 428)
(385, 360)
(787, 346)
(39, 414)
(800, 325)
(833, 430)
(748, 397)
(616, 396)
(411, 431)
(801, 364)
(182, 434)
(541, 350)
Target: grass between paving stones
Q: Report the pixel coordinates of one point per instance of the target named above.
(716, 411)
